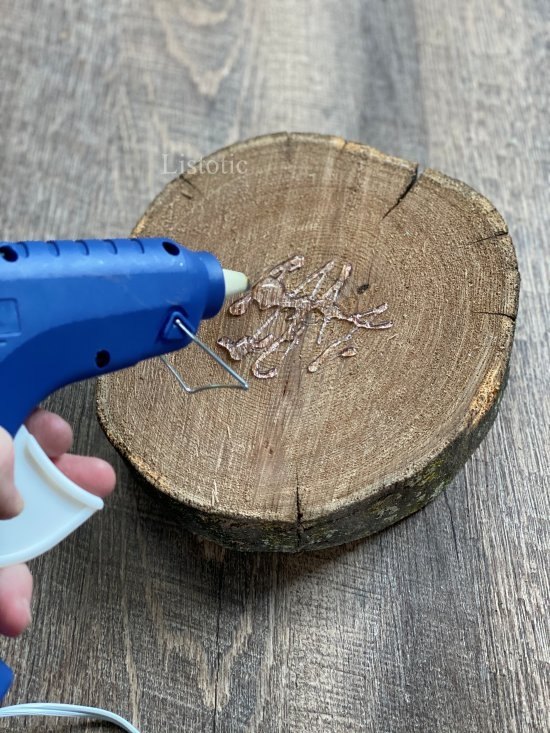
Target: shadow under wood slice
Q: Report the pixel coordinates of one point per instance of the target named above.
(329, 444)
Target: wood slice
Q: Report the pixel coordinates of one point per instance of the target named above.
(308, 459)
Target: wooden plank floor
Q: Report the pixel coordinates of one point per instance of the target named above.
(440, 623)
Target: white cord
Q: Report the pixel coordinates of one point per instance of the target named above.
(57, 710)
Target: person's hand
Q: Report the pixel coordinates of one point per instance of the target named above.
(97, 476)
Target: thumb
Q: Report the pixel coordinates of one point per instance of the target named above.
(11, 502)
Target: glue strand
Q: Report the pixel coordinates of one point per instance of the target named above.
(57, 710)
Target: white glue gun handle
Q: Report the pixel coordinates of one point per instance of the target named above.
(54, 505)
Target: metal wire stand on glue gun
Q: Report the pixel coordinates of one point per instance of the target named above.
(71, 310)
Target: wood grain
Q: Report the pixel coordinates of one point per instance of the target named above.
(439, 624)
(302, 460)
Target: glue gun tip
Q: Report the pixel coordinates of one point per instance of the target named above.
(235, 282)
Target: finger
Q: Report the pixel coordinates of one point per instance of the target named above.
(11, 502)
(93, 474)
(51, 431)
(15, 599)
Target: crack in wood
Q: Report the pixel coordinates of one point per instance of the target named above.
(415, 178)
(512, 317)
(299, 512)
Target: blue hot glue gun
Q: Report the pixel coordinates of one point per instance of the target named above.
(70, 310)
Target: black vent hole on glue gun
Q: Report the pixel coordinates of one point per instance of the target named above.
(9, 254)
(102, 358)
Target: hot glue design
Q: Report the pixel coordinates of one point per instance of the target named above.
(291, 310)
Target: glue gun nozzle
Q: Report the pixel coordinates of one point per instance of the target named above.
(235, 282)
